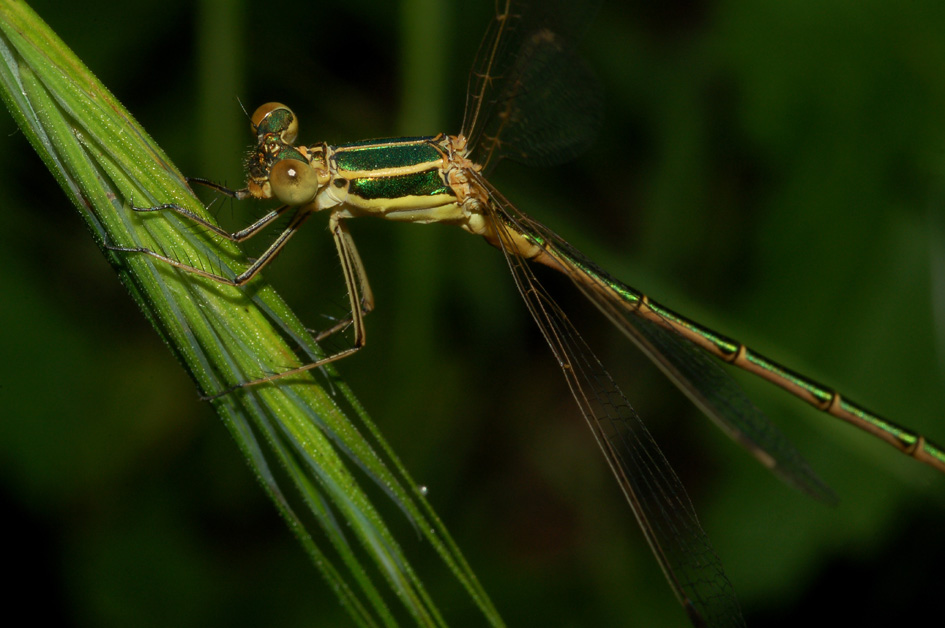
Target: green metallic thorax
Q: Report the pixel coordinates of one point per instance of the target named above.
(392, 154)
(392, 170)
(399, 179)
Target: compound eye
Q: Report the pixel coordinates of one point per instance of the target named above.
(293, 182)
(274, 117)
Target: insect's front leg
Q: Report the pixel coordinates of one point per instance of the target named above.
(238, 236)
(222, 189)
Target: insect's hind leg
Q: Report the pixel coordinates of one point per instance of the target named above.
(361, 298)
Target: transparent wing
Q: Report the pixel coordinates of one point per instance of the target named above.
(694, 371)
(530, 97)
(657, 497)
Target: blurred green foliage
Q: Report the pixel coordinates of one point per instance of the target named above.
(775, 170)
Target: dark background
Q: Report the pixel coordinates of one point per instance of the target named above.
(774, 170)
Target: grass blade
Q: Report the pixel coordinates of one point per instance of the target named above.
(300, 431)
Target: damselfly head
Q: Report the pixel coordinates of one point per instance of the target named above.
(276, 119)
(275, 167)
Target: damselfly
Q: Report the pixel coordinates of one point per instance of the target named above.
(528, 101)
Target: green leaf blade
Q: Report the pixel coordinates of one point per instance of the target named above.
(296, 430)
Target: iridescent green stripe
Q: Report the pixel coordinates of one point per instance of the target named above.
(427, 183)
(821, 394)
(724, 344)
(386, 155)
(390, 141)
(934, 452)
